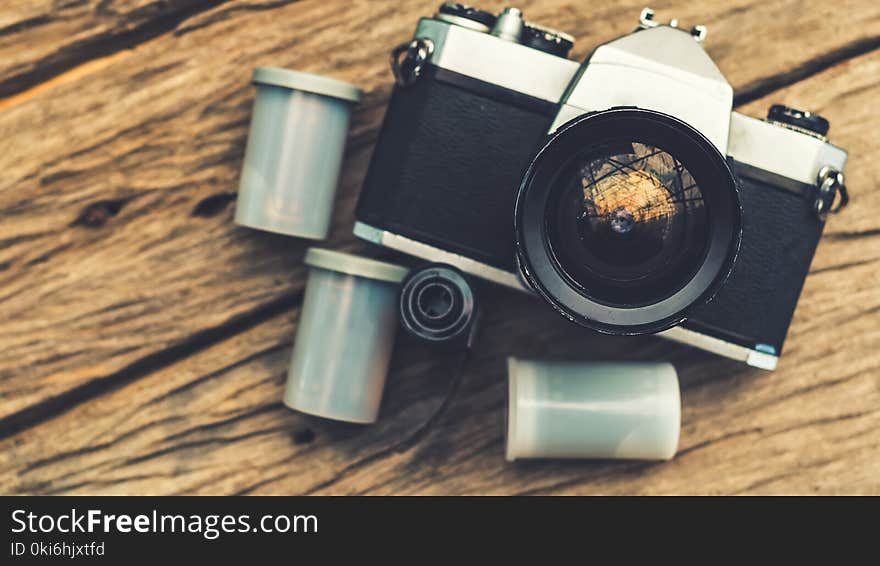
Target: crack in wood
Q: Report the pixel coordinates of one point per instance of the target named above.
(260, 410)
(619, 468)
(784, 475)
(491, 444)
(213, 205)
(768, 85)
(190, 385)
(822, 421)
(355, 465)
(801, 391)
(718, 439)
(198, 443)
(844, 266)
(223, 14)
(99, 46)
(97, 484)
(55, 406)
(853, 235)
(98, 213)
(303, 436)
(254, 486)
(92, 448)
(25, 24)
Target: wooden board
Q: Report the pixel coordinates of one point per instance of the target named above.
(145, 337)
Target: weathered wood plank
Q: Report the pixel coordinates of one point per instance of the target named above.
(39, 40)
(809, 427)
(213, 423)
(123, 281)
(107, 233)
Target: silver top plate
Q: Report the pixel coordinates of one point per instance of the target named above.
(496, 61)
(662, 69)
(780, 150)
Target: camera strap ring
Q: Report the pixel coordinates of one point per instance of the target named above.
(830, 183)
(408, 59)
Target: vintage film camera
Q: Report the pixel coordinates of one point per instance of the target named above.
(624, 191)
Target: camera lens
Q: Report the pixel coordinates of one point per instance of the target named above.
(627, 223)
(626, 219)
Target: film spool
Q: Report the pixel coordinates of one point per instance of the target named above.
(438, 305)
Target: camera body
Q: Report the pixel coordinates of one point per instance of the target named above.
(481, 105)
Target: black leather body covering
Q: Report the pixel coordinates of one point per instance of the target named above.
(449, 160)
(780, 234)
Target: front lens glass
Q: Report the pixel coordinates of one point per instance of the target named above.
(627, 223)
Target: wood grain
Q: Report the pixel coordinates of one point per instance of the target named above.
(145, 337)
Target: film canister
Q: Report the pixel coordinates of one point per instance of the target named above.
(294, 152)
(592, 410)
(345, 336)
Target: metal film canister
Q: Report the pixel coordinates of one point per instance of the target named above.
(294, 152)
(345, 335)
(592, 410)
(438, 305)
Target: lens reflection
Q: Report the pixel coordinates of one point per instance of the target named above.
(628, 223)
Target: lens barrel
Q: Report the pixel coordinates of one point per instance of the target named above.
(626, 219)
